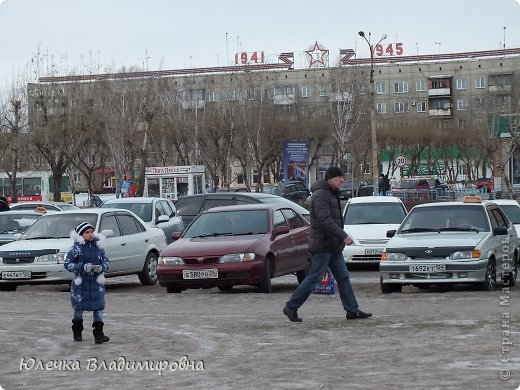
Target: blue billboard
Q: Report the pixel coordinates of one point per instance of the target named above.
(296, 161)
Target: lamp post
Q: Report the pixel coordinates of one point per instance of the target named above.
(373, 108)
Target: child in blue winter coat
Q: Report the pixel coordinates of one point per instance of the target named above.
(88, 261)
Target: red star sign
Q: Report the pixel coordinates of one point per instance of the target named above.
(317, 54)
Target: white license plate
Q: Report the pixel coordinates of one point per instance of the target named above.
(376, 251)
(16, 275)
(211, 273)
(427, 268)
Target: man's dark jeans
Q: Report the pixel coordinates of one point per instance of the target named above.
(320, 261)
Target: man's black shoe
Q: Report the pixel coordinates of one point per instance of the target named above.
(357, 315)
(291, 314)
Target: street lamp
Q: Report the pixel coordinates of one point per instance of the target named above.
(373, 108)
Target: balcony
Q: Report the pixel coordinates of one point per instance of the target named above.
(501, 88)
(439, 112)
(439, 92)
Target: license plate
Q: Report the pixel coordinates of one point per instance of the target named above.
(16, 275)
(376, 251)
(211, 273)
(427, 268)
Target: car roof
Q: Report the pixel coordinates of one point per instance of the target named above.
(148, 199)
(224, 193)
(43, 204)
(375, 199)
(503, 202)
(26, 212)
(242, 207)
(443, 204)
(96, 210)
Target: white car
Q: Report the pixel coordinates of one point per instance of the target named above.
(37, 257)
(53, 206)
(155, 212)
(511, 209)
(366, 219)
(451, 242)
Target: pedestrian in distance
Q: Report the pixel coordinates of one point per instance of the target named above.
(386, 184)
(380, 184)
(88, 261)
(327, 240)
(4, 204)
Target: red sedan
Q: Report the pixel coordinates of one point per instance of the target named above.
(237, 245)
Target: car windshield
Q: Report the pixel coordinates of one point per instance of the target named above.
(446, 218)
(374, 213)
(16, 223)
(512, 212)
(143, 210)
(57, 225)
(235, 223)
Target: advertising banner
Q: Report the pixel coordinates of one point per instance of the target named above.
(296, 161)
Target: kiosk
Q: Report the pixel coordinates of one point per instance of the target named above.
(172, 182)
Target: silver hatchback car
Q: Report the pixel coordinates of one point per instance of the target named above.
(155, 212)
(451, 242)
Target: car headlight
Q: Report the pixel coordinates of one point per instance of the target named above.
(457, 255)
(170, 260)
(393, 256)
(51, 258)
(237, 257)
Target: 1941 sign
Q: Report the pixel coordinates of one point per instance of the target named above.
(244, 58)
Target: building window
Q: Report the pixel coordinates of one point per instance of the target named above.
(380, 126)
(421, 106)
(401, 87)
(363, 89)
(306, 91)
(231, 95)
(400, 107)
(462, 104)
(480, 82)
(324, 90)
(381, 108)
(480, 102)
(443, 125)
(213, 96)
(323, 111)
(420, 85)
(365, 169)
(380, 88)
(251, 94)
(461, 84)
(462, 123)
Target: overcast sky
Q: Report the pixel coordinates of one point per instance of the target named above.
(171, 34)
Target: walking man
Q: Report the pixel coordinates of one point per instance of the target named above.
(327, 240)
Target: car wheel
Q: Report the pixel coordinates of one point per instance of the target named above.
(300, 275)
(389, 288)
(225, 288)
(8, 287)
(148, 275)
(490, 281)
(173, 289)
(265, 285)
(510, 278)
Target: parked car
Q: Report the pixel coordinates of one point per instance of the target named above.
(486, 182)
(451, 242)
(234, 245)
(351, 189)
(14, 223)
(155, 212)
(293, 190)
(54, 206)
(367, 219)
(233, 189)
(189, 206)
(511, 209)
(421, 188)
(37, 257)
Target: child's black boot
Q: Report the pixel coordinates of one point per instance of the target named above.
(99, 336)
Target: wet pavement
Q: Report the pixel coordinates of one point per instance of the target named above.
(431, 339)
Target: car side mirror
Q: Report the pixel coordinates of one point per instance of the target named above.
(107, 233)
(280, 230)
(176, 235)
(500, 231)
(163, 218)
(390, 233)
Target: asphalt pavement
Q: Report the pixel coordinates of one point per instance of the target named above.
(420, 339)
